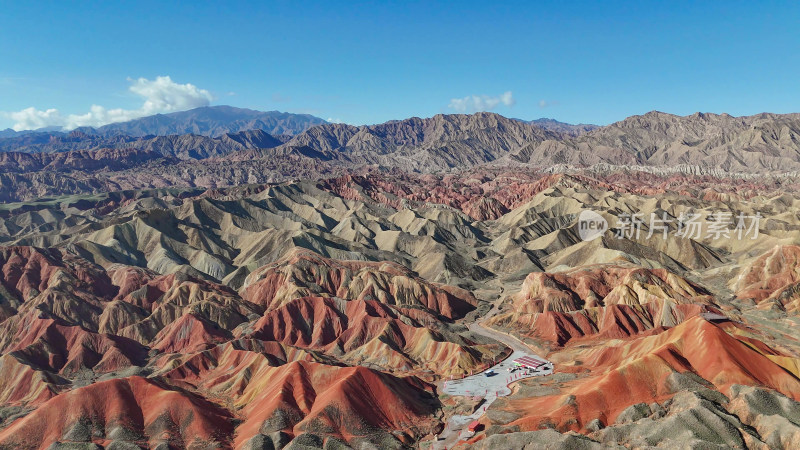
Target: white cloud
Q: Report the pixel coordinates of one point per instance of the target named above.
(164, 95)
(475, 103)
(161, 95)
(32, 118)
(547, 103)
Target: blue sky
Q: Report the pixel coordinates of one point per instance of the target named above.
(591, 62)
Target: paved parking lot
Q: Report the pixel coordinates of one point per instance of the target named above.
(488, 388)
(480, 385)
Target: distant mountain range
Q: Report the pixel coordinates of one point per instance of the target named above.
(759, 143)
(656, 141)
(436, 143)
(563, 127)
(182, 146)
(212, 121)
(219, 130)
(215, 121)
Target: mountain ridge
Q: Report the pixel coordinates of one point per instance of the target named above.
(211, 121)
(214, 121)
(701, 143)
(183, 146)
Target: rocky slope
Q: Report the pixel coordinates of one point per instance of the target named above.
(442, 141)
(765, 142)
(760, 143)
(683, 386)
(77, 161)
(601, 301)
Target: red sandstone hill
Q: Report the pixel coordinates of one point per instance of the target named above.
(65, 313)
(83, 160)
(482, 195)
(601, 301)
(127, 302)
(138, 410)
(45, 344)
(215, 359)
(304, 274)
(351, 403)
(640, 370)
(371, 333)
(276, 389)
(773, 279)
(603, 285)
(23, 386)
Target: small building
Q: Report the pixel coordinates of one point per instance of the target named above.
(473, 427)
(529, 362)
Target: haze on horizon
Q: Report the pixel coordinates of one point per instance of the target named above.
(363, 64)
